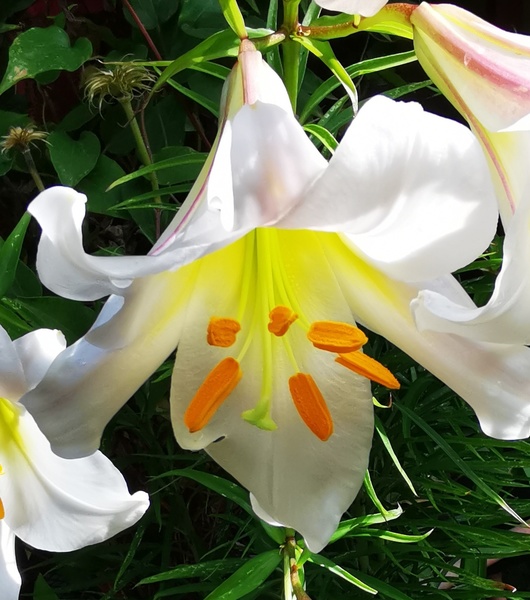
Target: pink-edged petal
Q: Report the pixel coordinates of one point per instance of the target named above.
(492, 378)
(92, 379)
(36, 351)
(506, 316)
(488, 67)
(10, 580)
(263, 163)
(56, 504)
(411, 190)
(276, 470)
(366, 8)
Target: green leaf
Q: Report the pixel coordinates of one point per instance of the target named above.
(372, 65)
(248, 577)
(225, 488)
(40, 50)
(324, 51)
(202, 570)
(71, 317)
(321, 561)
(72, 159)
(184, 163)
(389, 591)
(10, 253)
(43, 591)
(218, 45)
(95, 184)
(152, 13)
(386, 442)
(345, 527)
(323, 135)
(466, 470)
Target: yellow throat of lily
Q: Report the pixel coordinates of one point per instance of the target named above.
(268, 309)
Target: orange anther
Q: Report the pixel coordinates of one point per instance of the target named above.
(222, 331)
(311, 405)
(281, 318)
(214, 390)
(369, 368)
(334, 336)
(2, 510)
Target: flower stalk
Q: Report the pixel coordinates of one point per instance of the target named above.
(291, 50)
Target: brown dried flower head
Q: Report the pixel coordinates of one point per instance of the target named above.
(121, 81)
(21, 138)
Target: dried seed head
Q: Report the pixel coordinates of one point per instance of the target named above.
(121, 82)
(21, 138)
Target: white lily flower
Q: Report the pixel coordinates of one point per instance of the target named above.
(273, 255)
(485, 72)
(365, 8)
(49, 502)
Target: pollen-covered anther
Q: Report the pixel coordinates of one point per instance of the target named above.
(368, 367)
(222, 331)
(214, 390)
(280, 319)
(335, 336)
(311, 405)
(2, 510)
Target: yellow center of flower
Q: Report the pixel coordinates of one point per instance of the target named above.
(268, 295)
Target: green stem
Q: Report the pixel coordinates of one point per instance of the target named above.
(292, 565)
(33, 169)
(291, 50)
(140, 145)
(291, 70)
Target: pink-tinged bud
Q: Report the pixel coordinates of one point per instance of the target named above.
(486, 69)
(485, 73)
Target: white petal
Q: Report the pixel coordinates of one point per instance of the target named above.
(506, 316)
(12, 379)
(36, 351)
(62, 263)
(366, 8)
(10, 580)
(492, 378)
(56, 504)
(295, 478)
(411, 189)
(92, 379)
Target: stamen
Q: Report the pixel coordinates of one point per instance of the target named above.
(311, 405)
(214, 390)
(368, 367)
(334, 336)
(2, 510)
(222, 331)
(281, 318)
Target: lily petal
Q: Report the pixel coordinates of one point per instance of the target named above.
(420, 202)
(492, 378)
(36, 352)
(92, 379)
(366, 8)
(10, 580)
(289, 463)
(57, 504)
(62, 263)
(489, 67)
(506, 316)
(12, 378)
